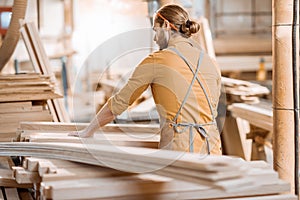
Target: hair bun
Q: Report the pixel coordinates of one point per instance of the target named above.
(194, 27)
(189, 28)
(188, 23)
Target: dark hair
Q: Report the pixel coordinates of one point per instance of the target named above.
(179, 17)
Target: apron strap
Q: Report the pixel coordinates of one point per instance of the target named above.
(192, 82)
(199, 82)
(198, 127)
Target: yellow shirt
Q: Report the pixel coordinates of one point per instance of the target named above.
(169, 78)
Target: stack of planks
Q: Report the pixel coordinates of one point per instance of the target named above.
(135, 135)
(10, 189)
(106, 170)
(41, 64)
(168, 174)
(243, 91)
(23, 98)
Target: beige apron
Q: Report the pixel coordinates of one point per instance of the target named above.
(173, 135)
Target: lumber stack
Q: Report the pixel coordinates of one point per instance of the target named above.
(30, 86)
(10, 189)
(136, 135)
(243, 91)
(23, 98)
(41, 64)
(166, 174)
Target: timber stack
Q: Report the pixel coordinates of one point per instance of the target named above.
(23, 97)
(59, 168)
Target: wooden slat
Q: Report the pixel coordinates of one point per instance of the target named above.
(28, 44)
(6, 174)
(141, 186)
(28, 116)
(60, 127)
(259, 116)
(12, 193)
(27, 97)
(268, 197)
(23, 176)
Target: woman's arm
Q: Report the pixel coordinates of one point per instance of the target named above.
(103, 117)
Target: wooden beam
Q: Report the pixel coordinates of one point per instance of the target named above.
(283, 129)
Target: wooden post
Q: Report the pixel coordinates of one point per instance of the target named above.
(283, 126)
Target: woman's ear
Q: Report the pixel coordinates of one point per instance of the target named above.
(167, 25)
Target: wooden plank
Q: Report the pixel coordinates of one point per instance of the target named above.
(66, 170)
(1, 194)
(182, 159)
(28, 116)
(19, 84)
(23, 176)
(268, 197)
(52, 110)
(123, 186)
(26, 97)
(81, 173)
(21, 109)
(110, 139)
(6, 174)
(26, 90)
(262, 190)
(28, 77)
(143, 185)
(25, 194)
(260, 116)
(12, 193)
(231, 138)
(61, 127)
(17, 107)
(29, 48)
(240, 87)
(30, 29)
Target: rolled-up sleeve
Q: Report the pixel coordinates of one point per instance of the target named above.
(139, 81)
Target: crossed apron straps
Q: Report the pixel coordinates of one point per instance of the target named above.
(199, 127)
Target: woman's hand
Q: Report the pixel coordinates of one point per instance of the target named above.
(81, 134)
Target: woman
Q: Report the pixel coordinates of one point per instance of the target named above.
(185, 102)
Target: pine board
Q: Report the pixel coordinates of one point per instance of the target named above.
(12, 193)
(141, 185)
(28, 97)
(60, 127)
(144, 140)
(28, 116)
(269, 197)
(256, 115)
(6, 174)
(19, 107)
